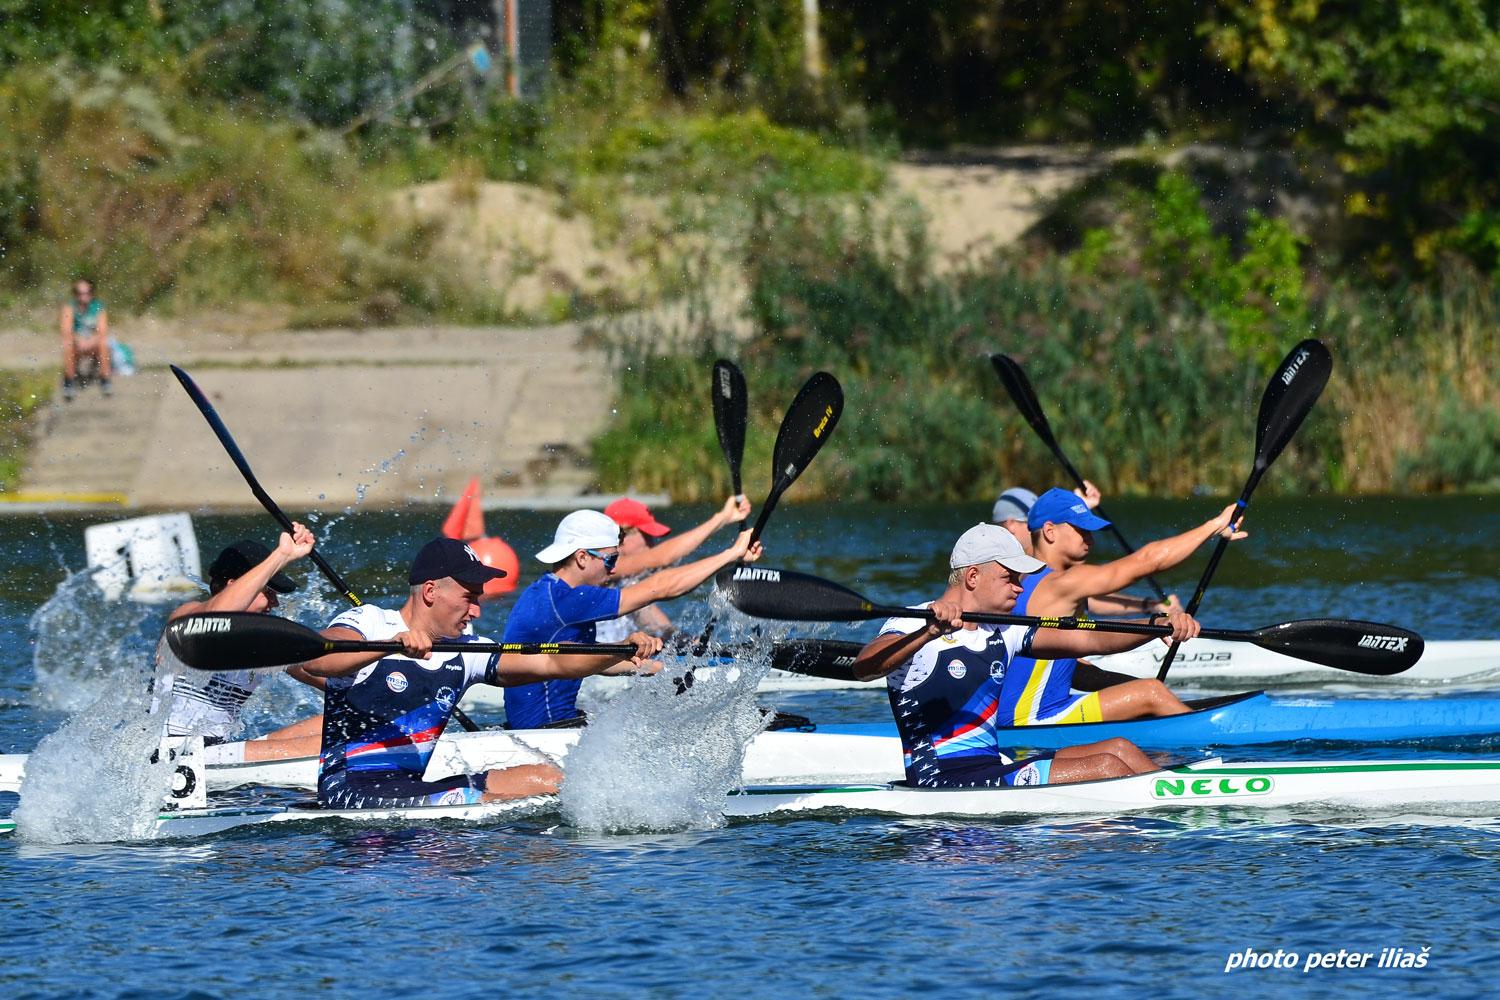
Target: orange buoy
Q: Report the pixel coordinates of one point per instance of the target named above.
(466, 523)
(497, 555)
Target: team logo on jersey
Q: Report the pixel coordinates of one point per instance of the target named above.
(1028, 775)
(956, 669)
(997, 670)
(445, 697)
(396, 681)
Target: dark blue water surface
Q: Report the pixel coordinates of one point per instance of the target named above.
(860, 906)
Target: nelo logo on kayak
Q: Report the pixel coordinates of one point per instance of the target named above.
(198, 626)
(1190, 788)
(752, 573)
(1394, 643)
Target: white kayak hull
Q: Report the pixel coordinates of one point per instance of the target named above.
(204, 822)
(1308, 790)
(1312, 788)
(771, 758)
(1212, 663)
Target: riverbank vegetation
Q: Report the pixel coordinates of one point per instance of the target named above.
(1275, 172)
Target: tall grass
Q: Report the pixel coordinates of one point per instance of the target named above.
(1150, 390)
(173, 205)
(21, 395)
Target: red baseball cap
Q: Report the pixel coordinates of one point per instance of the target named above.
(629, 513)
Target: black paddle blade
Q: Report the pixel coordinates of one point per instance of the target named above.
(1361, 647)
(730, 402)
(808, 423)
(1289, 398)
(242, 640)
(1021, 393)
(829, 658)
(793, 597)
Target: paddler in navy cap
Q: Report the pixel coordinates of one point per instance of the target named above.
(246, 576)
(1039, 691)
(383, 713)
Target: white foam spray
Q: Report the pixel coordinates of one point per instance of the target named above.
(653, 759)
(93, 779)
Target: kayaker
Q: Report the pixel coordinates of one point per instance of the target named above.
(564, 604)
(246, 576)
(644, 548)
(383, 714)
(1039, 691)
(944, 677)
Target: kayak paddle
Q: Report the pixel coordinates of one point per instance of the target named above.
(809, 421)
(246, 640)
(1288, 399)
(1019, 387)
(238, 458)
(1359, 647)
(730, 405)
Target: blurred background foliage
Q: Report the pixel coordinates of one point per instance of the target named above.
(206, 153)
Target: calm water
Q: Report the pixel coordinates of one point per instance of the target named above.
(852, 907)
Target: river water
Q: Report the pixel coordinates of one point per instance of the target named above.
(682, 906)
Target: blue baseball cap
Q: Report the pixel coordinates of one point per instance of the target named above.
(1062, 507)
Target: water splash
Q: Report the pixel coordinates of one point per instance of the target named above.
(83, 643)
(93, 779)
(653, 759)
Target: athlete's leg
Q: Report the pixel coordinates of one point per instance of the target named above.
(522, 781)
(1121, 749)
(271, 748)
(1137, 699)
(305, 727)
(1089, 767)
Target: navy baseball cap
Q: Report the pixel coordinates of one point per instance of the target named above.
(1062, 507)
(444, 557)
(239, 558)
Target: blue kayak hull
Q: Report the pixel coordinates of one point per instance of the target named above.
(1247, 720)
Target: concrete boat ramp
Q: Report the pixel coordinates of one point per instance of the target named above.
(326, 419)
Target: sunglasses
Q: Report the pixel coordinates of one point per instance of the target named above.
(608, 560)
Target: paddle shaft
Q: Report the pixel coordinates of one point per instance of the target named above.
(525, 648)
(1021, 393)
(1061, 624)
(1288, 399)
(230, 448)
(237, 457)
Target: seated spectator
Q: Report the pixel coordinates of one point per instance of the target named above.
(85, 334)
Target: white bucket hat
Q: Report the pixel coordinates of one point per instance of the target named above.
(582, 529)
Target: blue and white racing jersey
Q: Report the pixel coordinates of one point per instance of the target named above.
(946, 698)
(385, 720)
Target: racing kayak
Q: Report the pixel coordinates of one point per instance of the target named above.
(773, 757)
(1450, 787)
(1249, 719)
(1311, 788)
(1213, 663)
